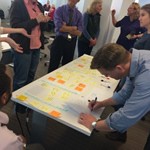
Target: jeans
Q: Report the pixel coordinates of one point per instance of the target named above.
(25, 66)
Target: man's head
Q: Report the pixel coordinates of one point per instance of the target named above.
(112, 60)
(5, 86)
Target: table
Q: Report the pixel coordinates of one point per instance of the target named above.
(64, 93)
(6, 50)
(3, 45)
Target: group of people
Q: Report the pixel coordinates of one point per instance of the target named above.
(27, 20)
(69, 27)
(50, 9)
(129, 59)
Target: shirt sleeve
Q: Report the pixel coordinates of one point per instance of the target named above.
(119, 23)
(58, 19)
(10, 140)
(79, 22)
(85, 22)
(135, 107)
(126, 91)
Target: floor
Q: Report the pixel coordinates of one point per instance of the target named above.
(61, 137)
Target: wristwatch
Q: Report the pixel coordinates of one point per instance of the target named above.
(94, 124)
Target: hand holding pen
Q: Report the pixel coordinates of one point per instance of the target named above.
(92, 104)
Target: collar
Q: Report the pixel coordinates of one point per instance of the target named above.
(69, 8)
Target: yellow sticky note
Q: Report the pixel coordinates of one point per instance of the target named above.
(22, 97)
(55, 114)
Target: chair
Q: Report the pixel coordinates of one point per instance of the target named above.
(49, 46)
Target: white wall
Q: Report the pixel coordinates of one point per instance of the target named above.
(5, 5)
(143, 2)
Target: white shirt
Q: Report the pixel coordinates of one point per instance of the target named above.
(8, 139)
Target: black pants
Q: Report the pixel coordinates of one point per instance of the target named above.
(84, 48)
(147, 145)
(61, 48)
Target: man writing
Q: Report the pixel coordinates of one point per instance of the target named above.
(116, 62)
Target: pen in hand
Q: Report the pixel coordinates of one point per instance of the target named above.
(93, 103)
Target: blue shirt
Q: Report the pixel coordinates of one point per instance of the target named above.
(62, 16)
(128, 27)
(135, 94)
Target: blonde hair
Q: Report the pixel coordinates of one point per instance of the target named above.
(91, 9)
(136, 7)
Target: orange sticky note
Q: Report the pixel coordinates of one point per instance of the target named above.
(55, 113)
(82, 85)
(51, 79)
(61, 81)
(78, 88)
(22, 97)
(81, 66)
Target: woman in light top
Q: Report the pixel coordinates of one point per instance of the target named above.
(91, 28)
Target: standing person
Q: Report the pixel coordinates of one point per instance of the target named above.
(91, 28)
(143, 42)
(129, 25)
(68, 25)
(27, 14)
(10, 41)
(47, 6)
(115, 61)
(51, 12)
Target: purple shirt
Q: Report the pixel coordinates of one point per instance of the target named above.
(128, 27)
(62, 15)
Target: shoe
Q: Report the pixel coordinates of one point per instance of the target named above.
(117, 136)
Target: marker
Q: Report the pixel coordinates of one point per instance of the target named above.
(105, 85)
(93, 102)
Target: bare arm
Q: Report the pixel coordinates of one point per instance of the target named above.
(12, 43)
(16, 30)
(107, 102)
(114, 21)
(87, 119)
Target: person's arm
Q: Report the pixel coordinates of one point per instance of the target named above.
(107, 102)
(87, 119)
(79, 25)
(85, 22)
(12, 43)
(114, 21)
(66, 28)
(17, 22)
(15, 30)
(135, 107)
